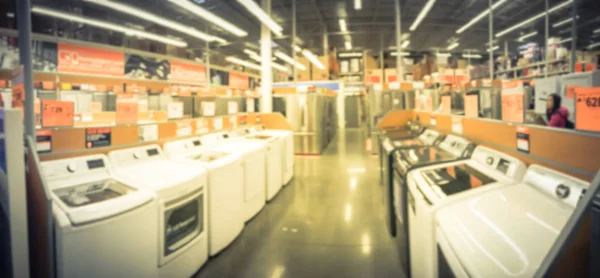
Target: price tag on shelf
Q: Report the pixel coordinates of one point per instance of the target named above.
(218, 123)
(175, 110)
(472, 106)
(512, 102)
(184, 128)
(97, 137)
(232, 107)
(202, 126)
(127, 112)
(232, 121)
(148, 133)
(96, 107)
(302, 89)
(142, 105)
(446, 104)
(57, 113)
(523, 139)
(250, 105)
(394, 85)
(208, 108)
(457, 125)
(587, 109)
(43, 141)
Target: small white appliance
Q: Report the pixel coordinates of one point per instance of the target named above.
(225, 189)
(506, 232)
(104, 226)
(288, 148)
(433, 187)
(254, 155)
(180, 187)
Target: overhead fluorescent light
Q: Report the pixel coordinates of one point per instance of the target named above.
(472, 56)
(254, 9)
(480, 16)
(289, 60)
(405, 44)
(453, 46)
(443, 55)
(593, 45)
(251, 52)
(561, 23)
(493, 48)
(402, 53)
(522, 38)
(350, 54)
(348, 45)
(534, 18)
(343, 26)
(422, 14)
(596, 31)
(566, 40)
(108, 26)
(201, 12)
(156, 19)
(297, 48)
(243, 63)
(357, 4)
(313, 59)
(279, 67)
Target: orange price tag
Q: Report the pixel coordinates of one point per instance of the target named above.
(587, 109)
(512, 107)
(127, 112)
(472, 106)
(571, 91)
(446, 104)
(3, 83)
(48, 85)
(56, 113)
(96, 107)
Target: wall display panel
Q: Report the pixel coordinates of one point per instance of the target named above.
(44, 54)
(219, 77)
(145, 67)
(85, 60)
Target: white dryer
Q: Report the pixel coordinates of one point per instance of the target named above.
(225, 189)
(506, 232)
(182, 234)
(104, 227)
(288, 148)
(433, 187)
(254, 155)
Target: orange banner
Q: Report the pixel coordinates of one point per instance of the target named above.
(587, 109)
(188, 73)
(238, 81)
(84, 60)
(56, 113)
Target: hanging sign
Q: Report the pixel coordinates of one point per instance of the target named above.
(43, 140)
(187, 73)
(446, 104)
(175, 110)
(57, 113)
(238, 81)
(148, 133)
(512, 101)
(97, 137)
(472, 106)
(85, 60)
(523, 139)
(587, 109)
(232, 107)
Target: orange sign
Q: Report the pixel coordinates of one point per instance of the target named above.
(511, 84)
(512, 107)
(96, 107)
(127, 112)
(587, 109)
(238, 81)
(84, 60)
(48, 85)
(571, 91)
(188, 73)
(56, 113)
(472, 106)
(446, 104)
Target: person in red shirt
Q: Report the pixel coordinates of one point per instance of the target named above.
(557, 115)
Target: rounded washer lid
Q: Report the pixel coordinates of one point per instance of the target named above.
(504, 232)
(160, 174)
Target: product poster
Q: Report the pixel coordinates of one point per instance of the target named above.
(148, 68)
(97, 137)
(219, 78)
(587, 109)
(44, 54)
(238, 81)
(188, 73)
(148, 133)
(85, 60)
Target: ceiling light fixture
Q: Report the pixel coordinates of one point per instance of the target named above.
(313, 59)
(254, 9)
(596, 31)
(422, 14)
(453, 46)
(529, 35)
(565, 40)
(593, 45)
(156, 19)
(534, 18)
(480, 16)
(443, 55)
(472, 56)
(201, 12)
(251, 52)
(348, 45)
(351, 55)
(297, 48)
(405, 44)
(561, 23)
(357, 4)
(343, 26)
(493, 48)
(289, 60)
(108, 26)
(279, 67)
(242, 63)
(402, 53)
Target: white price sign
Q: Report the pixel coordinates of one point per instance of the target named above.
(250, 105)
(218, 123)
(175, 110)
(208, 109)
(148, 133)
(232, 107)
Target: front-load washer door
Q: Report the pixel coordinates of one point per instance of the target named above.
(182, 222)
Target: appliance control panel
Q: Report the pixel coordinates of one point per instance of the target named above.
(455, 145)
(211, 139)
(429, 136)
(85, 165)
(136, 155)
(183, 146)
(500, 163)
(562, 187)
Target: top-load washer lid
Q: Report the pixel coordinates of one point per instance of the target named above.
(209, 156)
(507, 232)
(429, 137)
(92, 192)
(425, 155)
(455, 179)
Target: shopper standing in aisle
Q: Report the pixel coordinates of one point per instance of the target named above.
(558, 116)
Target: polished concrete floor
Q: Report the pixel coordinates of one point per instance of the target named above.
(328, 222)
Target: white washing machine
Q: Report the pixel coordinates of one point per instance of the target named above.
(180, 187)
(288, 148)
(433, 187)
(104, 227)
(225, 189)
(254, 155)
(506, 232)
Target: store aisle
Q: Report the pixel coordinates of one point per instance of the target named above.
(328, 222)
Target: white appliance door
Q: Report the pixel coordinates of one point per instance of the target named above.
(255, 173)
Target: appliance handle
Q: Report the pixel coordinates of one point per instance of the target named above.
(423, 195)
(183, 199)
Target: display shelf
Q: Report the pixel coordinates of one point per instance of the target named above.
(542, 75)
(351, 73)
(533, 65)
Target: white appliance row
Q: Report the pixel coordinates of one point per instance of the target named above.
(145, 212)
(488, 216)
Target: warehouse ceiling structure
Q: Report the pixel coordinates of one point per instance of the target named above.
(427, 25)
